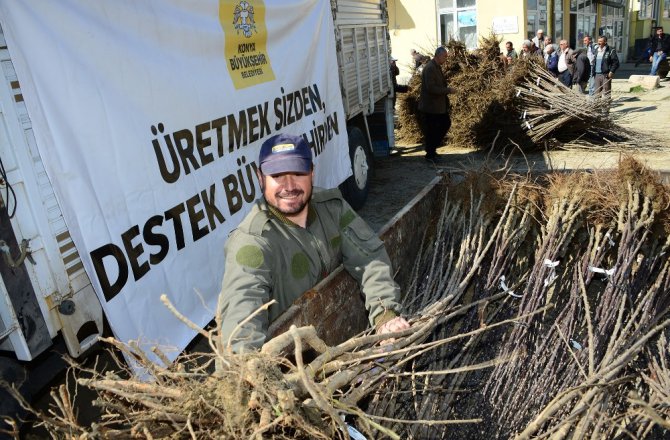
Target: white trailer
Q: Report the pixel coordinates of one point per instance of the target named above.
(361, 31)
(45, 293)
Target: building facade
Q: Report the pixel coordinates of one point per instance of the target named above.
(422, 25)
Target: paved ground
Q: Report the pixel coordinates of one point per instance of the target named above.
(400, 177)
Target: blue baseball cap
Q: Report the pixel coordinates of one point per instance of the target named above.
(285, 153)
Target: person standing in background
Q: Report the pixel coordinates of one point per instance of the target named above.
(606, 63)
(538, 40)
(590, 54)
(434, 103)
(510, 53)
(565, 64)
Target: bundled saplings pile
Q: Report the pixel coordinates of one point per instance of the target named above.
(539, 308)
(522, 105)
(256, 395)
(583, 262)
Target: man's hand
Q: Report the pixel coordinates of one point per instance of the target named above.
(395, 325)
(610, 75)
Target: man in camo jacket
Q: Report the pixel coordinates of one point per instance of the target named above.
(293, 238)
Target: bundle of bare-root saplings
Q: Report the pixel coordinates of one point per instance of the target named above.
(521, 105)
(539, 309)
(583, 262)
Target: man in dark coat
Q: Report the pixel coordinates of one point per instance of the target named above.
(604, 65)
(434, 103)
(582, 70)
(660, 48)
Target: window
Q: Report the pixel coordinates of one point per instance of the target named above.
(666, 9)
(586, 6)
(646, 9)
(465, 3)
(458, 20)
(536, 18)
(611, 26)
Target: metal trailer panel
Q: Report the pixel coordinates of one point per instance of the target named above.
(353, 12)
(57, 273)
(363, 54)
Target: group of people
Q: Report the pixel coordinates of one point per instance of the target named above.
(589, 68)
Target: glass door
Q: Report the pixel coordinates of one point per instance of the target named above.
(582, 21)
(458, 20)
(611, 26)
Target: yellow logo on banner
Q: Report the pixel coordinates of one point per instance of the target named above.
(243, 24)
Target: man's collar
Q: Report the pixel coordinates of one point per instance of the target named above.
(311, 215)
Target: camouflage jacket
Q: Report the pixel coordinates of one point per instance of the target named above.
(269, 257)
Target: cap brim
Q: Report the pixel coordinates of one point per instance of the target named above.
(290, 164)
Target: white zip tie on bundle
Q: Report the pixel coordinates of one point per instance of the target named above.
(538, 81)
(609, 240)
(552, 274)
(607, 273)
(506, 289)
(576, 345)
(518, 92)
(354, 433)
(528, 125)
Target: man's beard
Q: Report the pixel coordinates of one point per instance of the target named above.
(292, 209)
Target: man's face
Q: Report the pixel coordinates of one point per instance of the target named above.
(587, 41)
(563, 45)
(508, 46)
(441, 58)
(540, 36)
(601, 42)
(659, 31)
(289, 193)
(525, 48)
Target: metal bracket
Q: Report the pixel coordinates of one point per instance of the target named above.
(8, 332)
(25, 253)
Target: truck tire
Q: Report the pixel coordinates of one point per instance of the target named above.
(355, 188)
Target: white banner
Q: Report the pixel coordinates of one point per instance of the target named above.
(149, 116)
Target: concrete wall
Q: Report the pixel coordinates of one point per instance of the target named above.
(487, 10)
(412, 25)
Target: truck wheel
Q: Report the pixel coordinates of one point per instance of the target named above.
(355, 188)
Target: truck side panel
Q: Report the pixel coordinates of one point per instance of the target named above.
(53, 272)
(363, 54)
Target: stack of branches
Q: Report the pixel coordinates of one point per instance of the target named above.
(519, 106)
(273, 393)
(603, 263)
(567, 119)
(484, 96)
(538, 308)
(483, 106)
(582, 261)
